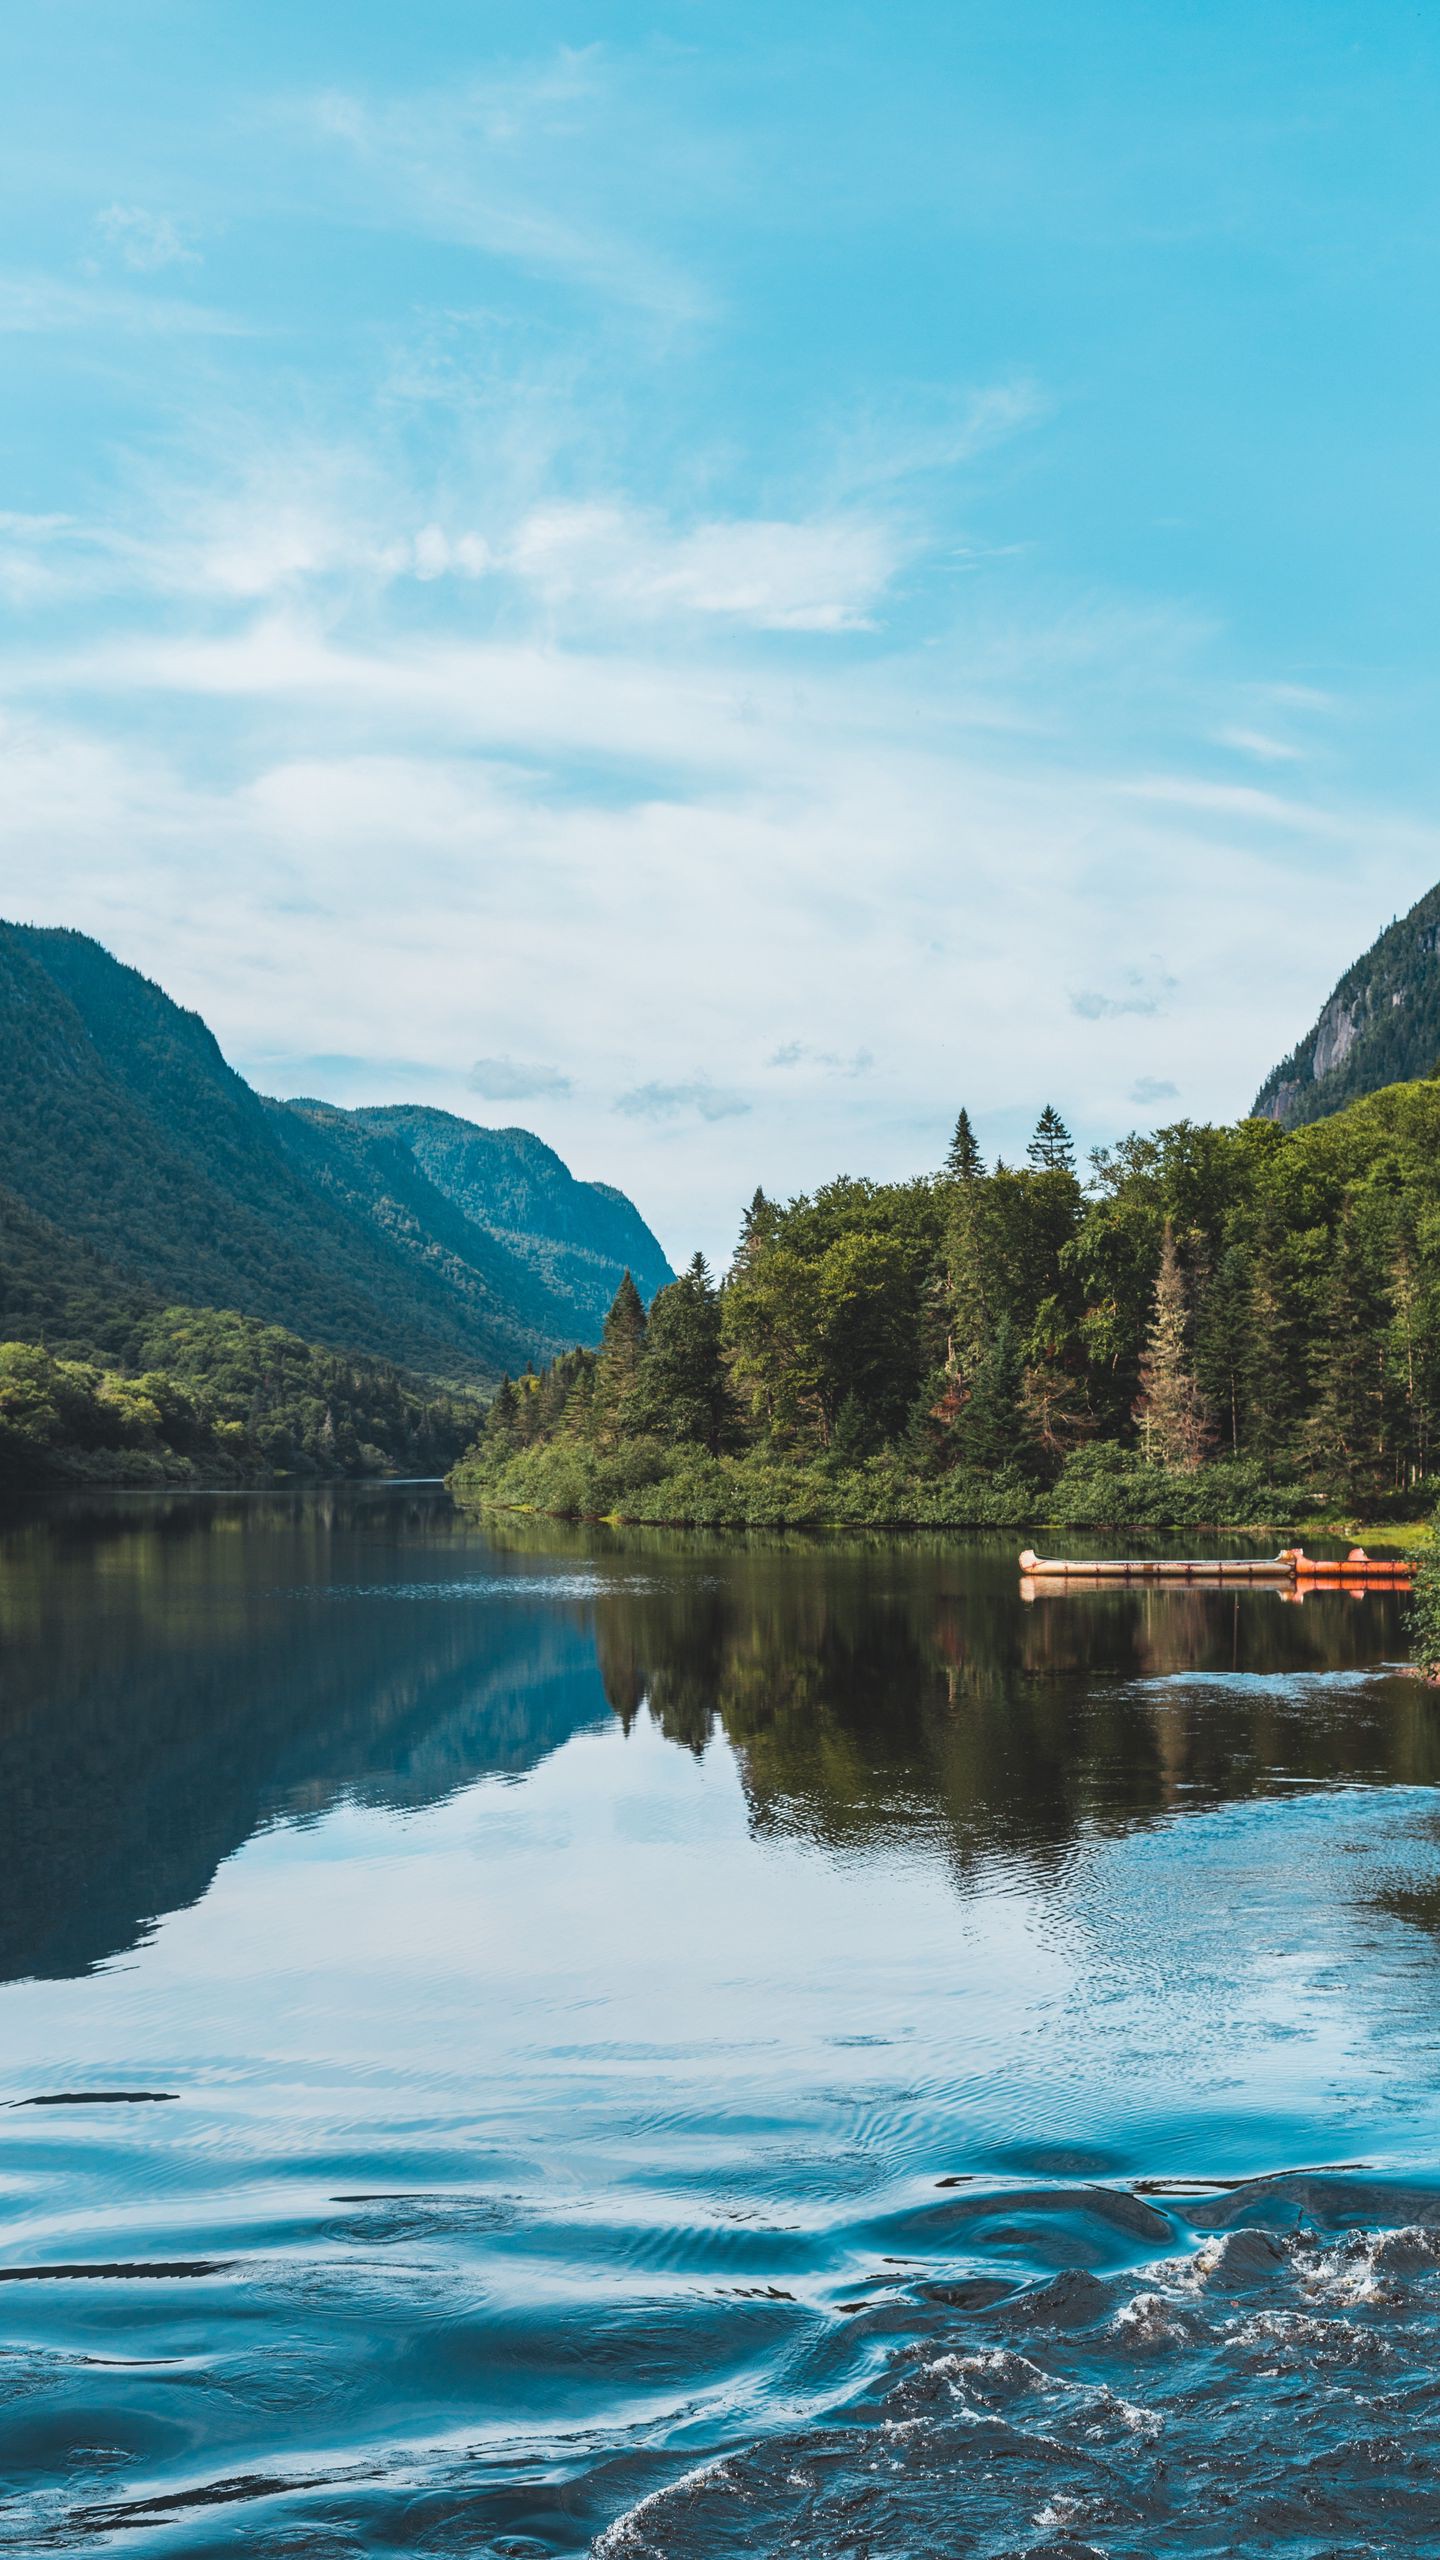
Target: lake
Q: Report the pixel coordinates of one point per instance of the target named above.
(518, 2040)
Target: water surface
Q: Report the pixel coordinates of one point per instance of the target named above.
(553, 2039)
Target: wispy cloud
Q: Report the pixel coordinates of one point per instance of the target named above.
(319, 521)
(524, 168)
(674, 1101)
(516, 1080)
(1229, 800)
(773, 574)
(1141, 992)
(144, 241)
(1258, 743)
(919, 429)
(799, 1053)
(1147, 1089)
(41, 305)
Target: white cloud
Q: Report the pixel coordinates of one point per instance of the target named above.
(922, 429)
(313, 521)
(1141, 992)
(637, 946)
(772, 574)
(43, 305)
(144, 241)
(1235, 800)
(696, 1097)
(524, 168)
(799, 1053)
(1257, 743)
(513, 1080)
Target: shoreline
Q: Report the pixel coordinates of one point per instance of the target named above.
(1393, 1535)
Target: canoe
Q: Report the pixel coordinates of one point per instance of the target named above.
(1355, 1572)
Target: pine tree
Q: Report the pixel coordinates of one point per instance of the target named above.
(1175, 1429)
(964, 1163)
(1052, 1149)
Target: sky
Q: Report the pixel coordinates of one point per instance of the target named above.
(719, 581)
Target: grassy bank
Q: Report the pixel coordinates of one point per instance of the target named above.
(645, 1483)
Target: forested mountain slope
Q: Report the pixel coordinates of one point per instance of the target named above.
(578, 1237)
(127, 1139)
(1381, 1026)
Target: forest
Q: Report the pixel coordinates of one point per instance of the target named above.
(213, 1398)
(1208, 1324)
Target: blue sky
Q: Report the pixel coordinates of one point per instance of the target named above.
(719, 581)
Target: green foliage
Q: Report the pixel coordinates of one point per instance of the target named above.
(681, 1391)
(218, 1399)
(1051, 1149)
(1225, 1324)
(964, 1163)
(1423, 1613)
(1175, 1429)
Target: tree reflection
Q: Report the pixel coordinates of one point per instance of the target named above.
(869, 1685)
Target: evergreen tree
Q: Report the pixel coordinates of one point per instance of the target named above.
(501, 1422)
(682, 1391)
(617, 1370)
(1053, 1401)
(1225, 1355)
(1052, 1149)
(1408, 1420)
(853, 1437)
(989, 1430)
(1344, 1428)
(757, 1229)
(1175, 1430)
(964, 1163)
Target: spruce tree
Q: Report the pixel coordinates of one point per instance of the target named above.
(989, 1429)
(756, 1229)
(1052, 1149)
(964, 1163)
(683, 1389)
(1175, 1429)
(1226, 1356)
(502, 1420)
(1344, 1426)
(622, 1350)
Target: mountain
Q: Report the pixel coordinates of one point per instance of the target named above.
(140, 1160)
(1381, 1026)
(576, 1236)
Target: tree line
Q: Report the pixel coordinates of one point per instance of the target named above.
(1242, 1298)
(218, 1398)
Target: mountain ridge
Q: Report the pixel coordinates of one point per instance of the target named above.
(1380, 1025)
(125, 1135)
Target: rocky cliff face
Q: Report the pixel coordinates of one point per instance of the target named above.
(1380, 1026)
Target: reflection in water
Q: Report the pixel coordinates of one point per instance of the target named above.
(659, 2043)
(176, 1673)
(867, 1687)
